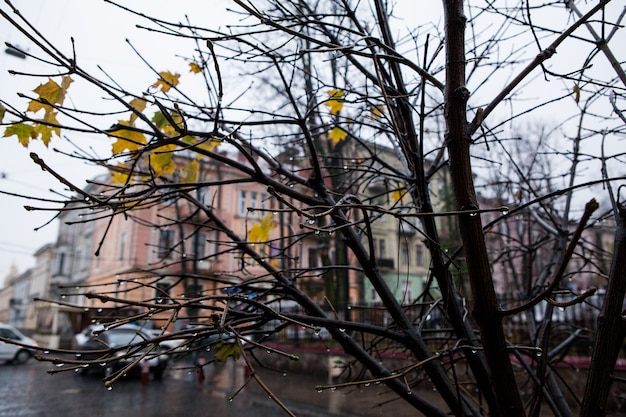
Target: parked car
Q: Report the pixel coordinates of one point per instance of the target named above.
(88, 332)
(169, 344)
(206, 348)
(92, 343)
(15, 353)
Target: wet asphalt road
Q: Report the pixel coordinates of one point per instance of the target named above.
(29, 391)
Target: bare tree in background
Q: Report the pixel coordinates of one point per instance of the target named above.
(346, 118)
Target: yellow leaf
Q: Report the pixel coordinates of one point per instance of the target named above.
(164, 125)
(209, 145)
(23, 132)
(377, 111)
(177, 118)
(119, 178)
(50, 92)
(169, 131)
(120, 174)
(335, 104)
(336, 93)
(167, 81)
(127, 138)
(337, 135)
(159, 120)
(195, 68)
(205, 144)
(65, 82)
(45, 131)
(34, 106)
(53, 92)
(191, 172)
(576, 93)
(51, 118)
(139, 105)
(2, 112)
(260, 232)
(162, 161)
(398, 194)
(224, 350)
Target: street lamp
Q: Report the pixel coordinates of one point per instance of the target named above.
(14, 51)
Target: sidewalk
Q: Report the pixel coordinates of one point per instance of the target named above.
(297, 391)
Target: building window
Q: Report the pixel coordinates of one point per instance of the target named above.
(242, 205)
(193, 290)
(407, 295)
(373, 295)
(201, 194)
(122, 251)
(253, 203)
(419, 255)
(166, 243)
(199, 246)
(382, 250)
(313, 258)
(78, 258)
(162, 293)
(404, 253)
(244, 260)
(84, 262)
(85, 259)
(60, 263)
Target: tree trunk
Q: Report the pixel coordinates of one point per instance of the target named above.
(458, 142)
(611, 330)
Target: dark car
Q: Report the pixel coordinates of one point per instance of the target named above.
(215, 346)
(115, 348)
(81, 338)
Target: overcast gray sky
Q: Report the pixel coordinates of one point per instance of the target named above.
(99, 31)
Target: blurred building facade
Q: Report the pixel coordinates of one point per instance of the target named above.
(171, 252)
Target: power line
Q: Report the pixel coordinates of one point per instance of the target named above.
(9, 247)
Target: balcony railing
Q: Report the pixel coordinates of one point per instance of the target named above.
(386, 263)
